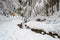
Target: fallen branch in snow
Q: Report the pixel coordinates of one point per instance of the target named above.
(20, 25)
(54, 35)
(40, 20)
(41, 31)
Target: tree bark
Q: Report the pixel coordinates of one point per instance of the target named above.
(57, 5)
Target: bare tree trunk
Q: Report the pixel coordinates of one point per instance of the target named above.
(47, 9)
(57, 5)
(52, 7)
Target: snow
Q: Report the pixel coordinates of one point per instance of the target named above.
(9, 29)
(44, 26)
(52, 23)
(7, 6)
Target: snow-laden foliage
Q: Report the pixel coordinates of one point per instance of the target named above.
(19, 28)
(31, 8)
(8, 6)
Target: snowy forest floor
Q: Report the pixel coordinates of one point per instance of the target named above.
(31, 30)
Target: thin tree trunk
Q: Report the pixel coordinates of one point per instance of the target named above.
(47, 9)
(57, 5)
(52, 7)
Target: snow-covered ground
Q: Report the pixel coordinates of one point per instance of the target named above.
(52, 23)
(10, 31)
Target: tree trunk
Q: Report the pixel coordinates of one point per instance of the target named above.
(47, 9)
(52, 7)
(57, 5)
